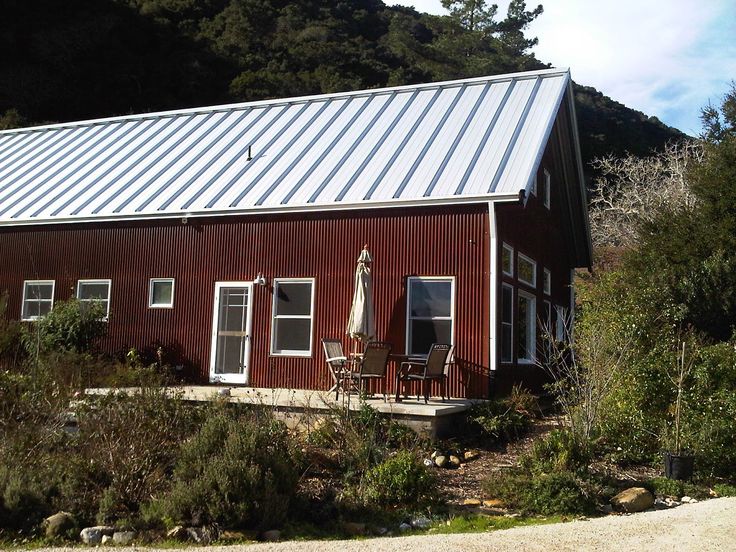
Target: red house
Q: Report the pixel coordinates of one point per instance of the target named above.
(229, 234)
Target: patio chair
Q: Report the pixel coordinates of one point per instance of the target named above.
(337, 363)
(372, 365)
(433, 368)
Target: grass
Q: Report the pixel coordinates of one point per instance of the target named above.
(482, 524)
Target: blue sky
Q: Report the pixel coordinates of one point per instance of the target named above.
(667, 58)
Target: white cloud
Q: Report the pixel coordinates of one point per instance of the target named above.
(663, 58)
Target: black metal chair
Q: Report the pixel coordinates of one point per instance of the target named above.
(434, 367)
(372, 365)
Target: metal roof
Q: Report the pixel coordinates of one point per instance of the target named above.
(442, 142)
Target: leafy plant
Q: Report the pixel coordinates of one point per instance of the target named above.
(400, 479)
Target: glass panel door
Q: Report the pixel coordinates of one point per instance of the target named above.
(231, 332)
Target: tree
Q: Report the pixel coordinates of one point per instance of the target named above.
(472, 15)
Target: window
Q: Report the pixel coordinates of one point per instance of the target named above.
(547, 188)
(527, 338)
(38, 299)
(507, 323)
(561, 323)
(89, 291)
(430, 308)
(161, 293)
(547, 281)
(527, 271)
(293, 305)
(507, 260)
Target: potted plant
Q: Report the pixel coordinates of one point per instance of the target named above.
(678, 463)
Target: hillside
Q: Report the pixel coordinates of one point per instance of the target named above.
(80, 59)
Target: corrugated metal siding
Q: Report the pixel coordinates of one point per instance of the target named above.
(436, 241)
(443, 141)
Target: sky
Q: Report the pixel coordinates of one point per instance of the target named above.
(667, 58)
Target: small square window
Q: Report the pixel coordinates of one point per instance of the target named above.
(527, 271)
(95, 291)
(547, 281)
(507, 260)
(38, 299)
(161, 293)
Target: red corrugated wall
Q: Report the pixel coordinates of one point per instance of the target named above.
(438, 241)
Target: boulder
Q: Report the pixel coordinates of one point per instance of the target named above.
(440, 461)
(271, 536)
(420, 522)
(471, 502)
(404, 527)
(493, 503)
(471, 455)
(106, 539)
(123, 537)
(454, 461)
(93, 535)
(354, 529)
(58, 525)
(634, 499)
(178, 533)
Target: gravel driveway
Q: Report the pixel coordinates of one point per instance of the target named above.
(708, 525)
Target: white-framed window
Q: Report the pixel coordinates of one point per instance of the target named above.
(430, 312)
(507, 323)
(38, 299)
(161, 293)
(98, 290)
(526, 343)
(547, 281)
(561, 323)
(547, 188)
(527, 270)
(292, 320)
(507, 260)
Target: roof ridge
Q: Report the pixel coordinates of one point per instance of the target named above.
(290, 100)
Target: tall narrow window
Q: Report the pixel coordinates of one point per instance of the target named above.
(38, 299)
(507, 323)
(293, 305)
(547, 281)
(161, 293)
(526, 334)
(95, 291)
(507, 260)
(561, 323)
(527, 271)
(547, 188)
(430, 313)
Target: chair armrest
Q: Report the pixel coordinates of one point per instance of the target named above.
(340, 358)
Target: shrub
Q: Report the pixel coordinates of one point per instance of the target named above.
(237, 471)
(401, 479)
(543, 494)
(70, 326)
(504, 419)
(558, 451)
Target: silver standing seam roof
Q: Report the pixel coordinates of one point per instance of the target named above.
(466, 140)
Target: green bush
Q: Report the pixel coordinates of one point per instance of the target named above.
(558, 451)
(237, 471)
(504, 419)
(401, 479)
(70, 326)
(560, 493)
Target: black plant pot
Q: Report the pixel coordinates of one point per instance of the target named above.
(678, 466)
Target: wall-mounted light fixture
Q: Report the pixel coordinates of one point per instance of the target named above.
(260, 279)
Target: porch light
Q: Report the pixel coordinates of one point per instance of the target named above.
(260, 279)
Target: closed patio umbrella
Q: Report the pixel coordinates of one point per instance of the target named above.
(361, 324)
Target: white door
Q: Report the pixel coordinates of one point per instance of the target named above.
(231, 332)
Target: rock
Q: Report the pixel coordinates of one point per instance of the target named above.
(404, 527)
(202, 535)
(440, 461)
(435, 454)
(178, 533)
(123, 537)
(354, 529)
(93, 535)
(106, 539)
(688, 500)
(493, 503)
(607, 509)
(471, 502)
(420, 522)
(455, 461)
(471, 455)
(58, 525)
(271, 536)
(634, 499)
(428, 463)
(381, 530)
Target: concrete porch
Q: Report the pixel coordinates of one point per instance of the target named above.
(296, 406)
